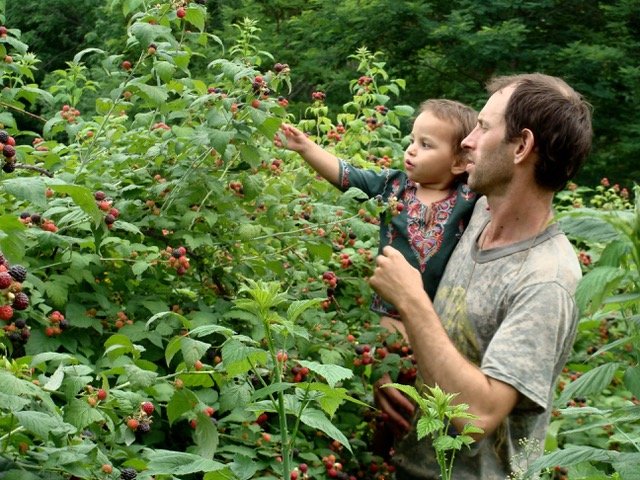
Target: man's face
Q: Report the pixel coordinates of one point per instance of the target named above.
(490, 166)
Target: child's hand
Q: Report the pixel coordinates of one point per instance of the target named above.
(290, 138)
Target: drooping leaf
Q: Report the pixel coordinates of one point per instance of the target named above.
(169, 462)
(590, 383)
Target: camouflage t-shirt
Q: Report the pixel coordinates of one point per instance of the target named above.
(510, 310)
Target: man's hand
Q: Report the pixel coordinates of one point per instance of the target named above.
(397, 408)
(394, 279)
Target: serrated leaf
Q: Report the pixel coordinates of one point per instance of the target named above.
(181, 402)
(169, 462)
(572, 455)
(29, 189)
(269, 126)
(632, 380)
(80, 414)
(320, 251)
(206, 436)
(205, 330)
(318, 420)
(239, 358)
(196, 17)
(192, 350)
(83, 197)
(43, 424)
(243, 467)
(139, 377)
(233, 396)
(331, 373)
(596, 285)
(270, 390)
(427, 426)
(298, 307)
(12, 403)
(590, 383)
(165, 70)
(54, 382)
(154, 95)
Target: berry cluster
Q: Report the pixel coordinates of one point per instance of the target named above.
(394, 206)
(128, 474)
(69, 113)
(106, 205)
(177, 259)
(57, 324)
(382, 110)
(141, 420)
(373, 123)
(300, 472)
(35, 219)
(364, 80)
(122, 320)
(281, 68)
(11, 278)
(364, 355)
(318, 96)
(299, 373)
(237, 187)
(276, 166)
(283, 102)
(7, 146)
(334, 468)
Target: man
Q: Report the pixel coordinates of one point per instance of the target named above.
(503, 321)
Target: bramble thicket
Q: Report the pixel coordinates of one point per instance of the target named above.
(183, 299)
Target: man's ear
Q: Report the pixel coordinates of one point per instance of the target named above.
(525, 146)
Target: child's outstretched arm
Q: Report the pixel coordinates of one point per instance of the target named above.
(323, 162)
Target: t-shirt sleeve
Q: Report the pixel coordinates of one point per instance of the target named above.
(533, 341)
(368, 180)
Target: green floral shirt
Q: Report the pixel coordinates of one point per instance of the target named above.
(425, 234)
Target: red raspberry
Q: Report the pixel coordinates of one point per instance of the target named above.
(102, 394)
(5, 280)
(20, 301)
(6, 312)
(147, 407)
(8, 151)
(133, 424)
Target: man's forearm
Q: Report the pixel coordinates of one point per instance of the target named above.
(439, 362)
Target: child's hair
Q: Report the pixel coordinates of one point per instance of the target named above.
(461, 116)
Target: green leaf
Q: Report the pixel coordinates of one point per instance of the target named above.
(318, 420)
(206, 436)
(12, 403)
(590, 383)
(140, 378)
(196, 17)
(181, 402)
(632, 380)
(572, 455)
(298, 307)
(83, 197)
(331, 373)
(322, 251)
(269, 126)
(205, 330)
(244, 467)
(117, 345)
(54, 382)
(29, 189)
(156, 96)
(44, 424)
(80, 414)
(165, 70)
(595, 285)
(192, 350)
(169, 462)
(51, 356)
(239, 358)
(426, 426)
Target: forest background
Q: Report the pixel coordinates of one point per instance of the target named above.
(441, 48)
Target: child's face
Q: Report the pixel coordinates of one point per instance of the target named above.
(429, 159)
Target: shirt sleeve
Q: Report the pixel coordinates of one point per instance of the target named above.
(370, 181)
(533, 342)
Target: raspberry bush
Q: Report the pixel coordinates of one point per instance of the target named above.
(180, 298)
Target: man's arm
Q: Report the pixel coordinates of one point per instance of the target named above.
(323, 162)
(438, 360)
